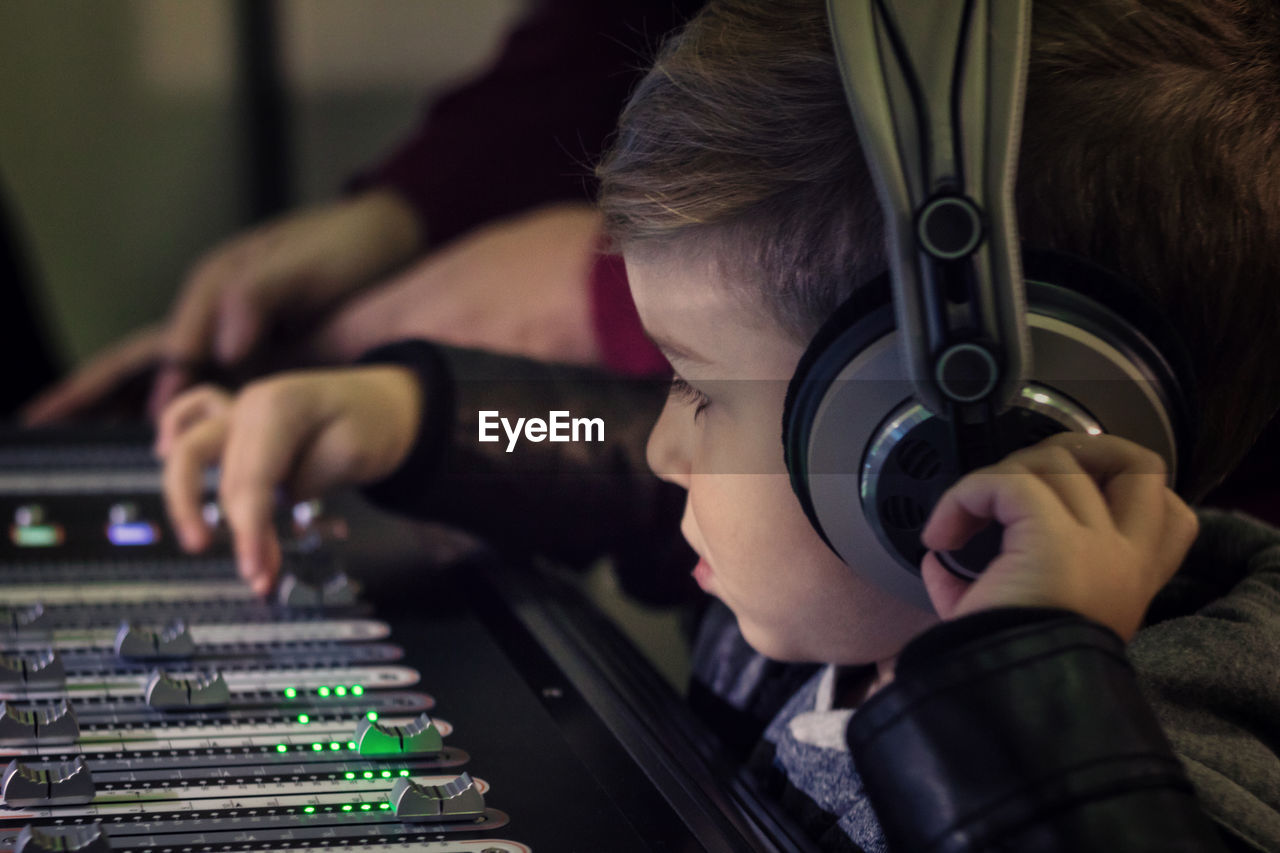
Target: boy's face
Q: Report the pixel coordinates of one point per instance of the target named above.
(793, 597)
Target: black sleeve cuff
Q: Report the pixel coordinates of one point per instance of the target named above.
(435, 429)
(1022, 729)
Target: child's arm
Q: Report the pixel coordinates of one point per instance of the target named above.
(1019, 725)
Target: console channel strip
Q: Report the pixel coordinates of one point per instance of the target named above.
(150, 702)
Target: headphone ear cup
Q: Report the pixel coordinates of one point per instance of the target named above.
(865, 316)
(850, 412)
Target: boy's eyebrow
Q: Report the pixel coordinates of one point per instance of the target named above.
(675, 352)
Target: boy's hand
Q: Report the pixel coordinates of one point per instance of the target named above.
(306, 431)
(1089, 526)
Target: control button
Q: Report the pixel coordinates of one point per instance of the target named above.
(31, 529)
(172, 641)
(66, 784)
(207, 690)
(37, 726)
(30, 618)
(459, 799)
(421, 737)
(63, 839)
(126, 527)
(40, 671)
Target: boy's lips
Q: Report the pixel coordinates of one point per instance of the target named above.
(702, 574)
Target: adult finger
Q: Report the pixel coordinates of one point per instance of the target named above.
(96, 379)
(183, 479)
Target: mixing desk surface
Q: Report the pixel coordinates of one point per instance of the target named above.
(398, 691)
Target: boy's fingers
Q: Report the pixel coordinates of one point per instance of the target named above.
(1179, 530)
(183, 479)
(944, 589)
(1057, 464)
(1006, 492)
(194, 406)
(270, 432)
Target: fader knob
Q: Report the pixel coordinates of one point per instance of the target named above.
(66, 784)
(336, 591)
(458, 799)
(37, 726)
(33, 617)
(172, 641)
(40, 671)
(208, 690)
(418, 738)
(62, 839)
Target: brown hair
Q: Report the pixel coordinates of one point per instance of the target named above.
(1151, 145)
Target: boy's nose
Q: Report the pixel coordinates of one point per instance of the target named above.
(667, 451)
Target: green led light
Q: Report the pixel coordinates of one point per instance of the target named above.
(384, 805)
(310, 809)
(349, 775)
(335, 745)
(347, 807)
(304, 719)
(368, 774)
(372, 715)
(317, 746)
(351, 744)
(281, 748)
(323, 691)
(404, 772)
(364, 807)
(357, 690)
(290, 693)
(386, 774)
(37, 535)
(341, 690)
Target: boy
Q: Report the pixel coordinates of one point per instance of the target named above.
(739, 199)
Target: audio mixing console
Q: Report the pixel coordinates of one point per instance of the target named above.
(380, 700)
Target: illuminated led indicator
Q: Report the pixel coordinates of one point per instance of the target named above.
(357, 690)
(304, 719)
(364, 807)
(36, 535)
(386, 774)
(335, 745)
(349, 775)
(323, 691)
(368, 774)
(317, 746)
(372, 715)
(347, 808)
(133, 533)
(310, 809)
(384, 805)
(404, 772)
(281, 748)
(341, 690)
(290, 693)
(351, 744)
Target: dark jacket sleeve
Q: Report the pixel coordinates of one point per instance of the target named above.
(530, 128)
(574, 501)
(1023, 729)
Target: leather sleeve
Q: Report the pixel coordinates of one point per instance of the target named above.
(1023, 730)
(573, 501)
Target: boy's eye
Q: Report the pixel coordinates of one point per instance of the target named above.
(690, 395)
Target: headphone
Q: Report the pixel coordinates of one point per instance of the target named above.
(970, 347)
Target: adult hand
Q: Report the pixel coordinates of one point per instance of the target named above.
(306, 432)
(282, 275)
(1089, 526)
(517, 286)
